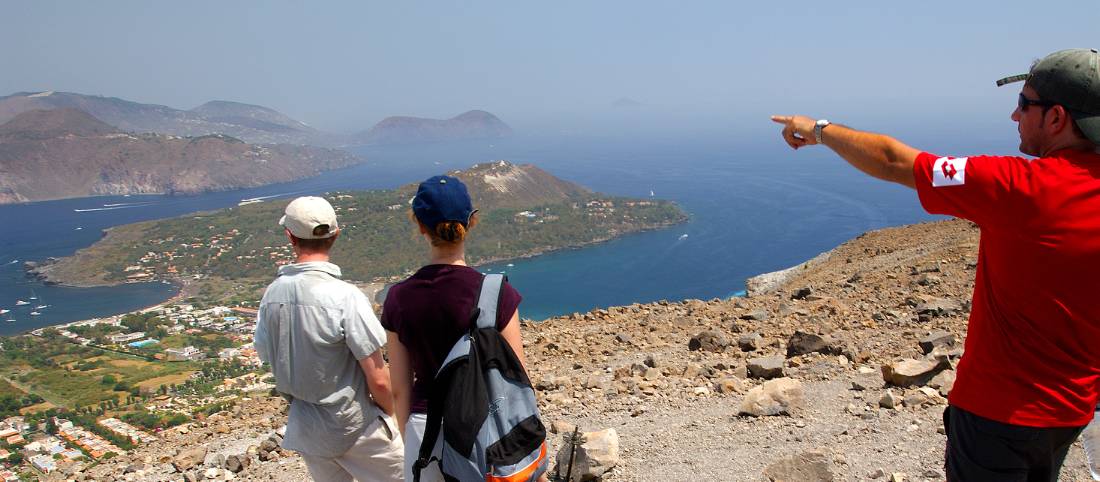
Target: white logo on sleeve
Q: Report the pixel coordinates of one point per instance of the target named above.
(949, 171)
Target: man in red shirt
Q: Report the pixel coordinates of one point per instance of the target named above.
(1028, 381)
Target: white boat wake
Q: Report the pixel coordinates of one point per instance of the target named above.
(113, 207)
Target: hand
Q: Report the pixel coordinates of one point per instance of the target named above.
(798, 130)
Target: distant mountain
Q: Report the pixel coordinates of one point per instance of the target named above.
(65, 152)
(475, 124)
(250, 123)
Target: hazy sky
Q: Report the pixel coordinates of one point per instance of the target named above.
(344, 65)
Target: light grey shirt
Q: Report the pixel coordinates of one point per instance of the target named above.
(312, 329)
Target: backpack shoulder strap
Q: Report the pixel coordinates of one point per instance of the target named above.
(488, 301)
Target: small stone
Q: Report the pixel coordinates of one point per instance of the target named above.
(889, 400)
(710, 340)
(936, 339)
(811, 466)
(897, 477)
(907, 373)
(928, 280)
(943, 381)
(766, 367)
(759, 314)
(561, 426)
(775, 397)
(937, 307)
(801, 343)
(623, 338)
(750, 342)
(802, 293)
(915, 398)
(728, 385)
(598, 454)
(877, 473)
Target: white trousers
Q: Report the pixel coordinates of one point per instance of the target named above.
(376, 456)
(414, 434)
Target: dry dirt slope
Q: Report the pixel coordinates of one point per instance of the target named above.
(676, 409)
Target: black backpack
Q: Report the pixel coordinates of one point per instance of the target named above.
(483, 402)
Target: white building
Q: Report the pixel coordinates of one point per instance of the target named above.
(186, 353)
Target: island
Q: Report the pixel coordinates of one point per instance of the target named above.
(524, 211)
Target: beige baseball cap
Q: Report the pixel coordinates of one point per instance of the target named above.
(310, 217)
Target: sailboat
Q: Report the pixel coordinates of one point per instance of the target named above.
(3, 311)
(41, 307)
(35, 313)
(33, 296)
(21, 303)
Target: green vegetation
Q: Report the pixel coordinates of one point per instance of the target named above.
(77, 377)
(152, 421)
(377, 240)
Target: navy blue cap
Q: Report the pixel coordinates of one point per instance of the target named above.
(442, 198)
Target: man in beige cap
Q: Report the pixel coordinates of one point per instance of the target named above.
(323, 343)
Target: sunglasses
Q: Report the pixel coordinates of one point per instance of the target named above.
(1023, 102)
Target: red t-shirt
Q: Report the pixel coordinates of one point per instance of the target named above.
(1033, 346)
(430, 311)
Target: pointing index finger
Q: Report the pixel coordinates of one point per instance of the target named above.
(781, 119)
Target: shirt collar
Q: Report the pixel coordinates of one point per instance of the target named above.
(298, 268)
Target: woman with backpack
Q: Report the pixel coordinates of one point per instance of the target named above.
(426, 314)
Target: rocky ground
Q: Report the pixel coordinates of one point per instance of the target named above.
(834, 370)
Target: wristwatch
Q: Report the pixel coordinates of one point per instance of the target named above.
(818, 126)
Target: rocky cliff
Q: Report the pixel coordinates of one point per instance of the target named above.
(62, 153)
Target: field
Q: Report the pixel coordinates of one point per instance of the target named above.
(72, 376)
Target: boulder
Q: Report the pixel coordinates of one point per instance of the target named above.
(597, 454)
(936, 339)
(775, 397)
(766, 367)
(710, 340)
(812, 466)
(910, 373)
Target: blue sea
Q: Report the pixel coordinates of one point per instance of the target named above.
(755, 207)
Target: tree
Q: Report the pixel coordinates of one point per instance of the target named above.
(51, 426)
(108, 380)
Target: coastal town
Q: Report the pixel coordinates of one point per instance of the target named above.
(206, 351)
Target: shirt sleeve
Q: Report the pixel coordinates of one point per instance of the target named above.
(261, 340)
(391, 312)
(983, 189)
(509, 303)
(362, 331)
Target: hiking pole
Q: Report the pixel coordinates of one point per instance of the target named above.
(574, 439)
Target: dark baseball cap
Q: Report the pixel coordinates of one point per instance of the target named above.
(1070, 78)
(442, 198)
